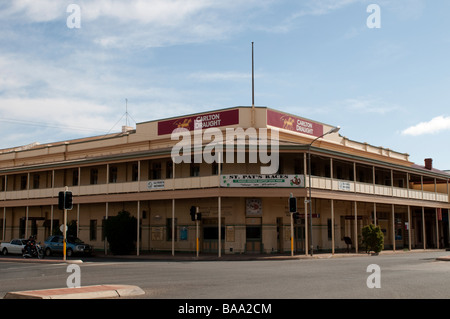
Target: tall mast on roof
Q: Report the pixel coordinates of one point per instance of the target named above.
(253, 90)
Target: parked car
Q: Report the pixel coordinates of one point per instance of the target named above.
(15, 246)
(55, 245)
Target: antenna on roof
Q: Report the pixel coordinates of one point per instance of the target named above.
(126, 128)
(253, 90)
(253, 81)
(126, 112)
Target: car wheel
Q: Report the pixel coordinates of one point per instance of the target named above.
(48, 252)
(4, 252)
(69, 252)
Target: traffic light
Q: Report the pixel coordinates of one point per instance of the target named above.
(68, 200)
(194, 215)
(192, 212)
(65, 200)
(61, 196)
(296, 216)
(292, 204)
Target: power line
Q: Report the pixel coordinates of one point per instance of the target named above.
(48, 125)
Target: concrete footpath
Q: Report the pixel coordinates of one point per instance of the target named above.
(87, 292)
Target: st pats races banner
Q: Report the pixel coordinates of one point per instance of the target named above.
(262, 180)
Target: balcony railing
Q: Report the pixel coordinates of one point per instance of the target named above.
(213, 182)
(374, 189)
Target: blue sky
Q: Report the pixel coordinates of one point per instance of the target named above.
(387, 86)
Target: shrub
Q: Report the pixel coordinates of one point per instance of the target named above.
(372, 238)
(120, 231)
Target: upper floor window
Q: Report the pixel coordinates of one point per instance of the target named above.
(135, 172)
(155, 172)
(195, 170)
(75, 177)
(23, 182)
(113, 174)
(94, 176)
(36, 181)
(169, 169)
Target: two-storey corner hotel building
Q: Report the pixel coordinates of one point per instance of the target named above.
(341, 185)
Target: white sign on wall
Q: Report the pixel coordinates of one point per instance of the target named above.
(155, 184)
(280, 180)
(344, 186)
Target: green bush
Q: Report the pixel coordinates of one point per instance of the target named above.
(121, 232)
(372, 238)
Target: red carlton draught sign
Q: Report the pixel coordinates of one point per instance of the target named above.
(208, 120)
(292, 123)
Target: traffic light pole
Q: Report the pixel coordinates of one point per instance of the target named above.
(65, 231)
(196, 232)
(292, 234)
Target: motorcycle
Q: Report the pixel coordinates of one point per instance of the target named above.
(33, 250)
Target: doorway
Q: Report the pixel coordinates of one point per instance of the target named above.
(210, 235)
(253, 235)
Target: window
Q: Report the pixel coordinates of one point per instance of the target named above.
(329, 228)
(75, 177)
(103, 228)
(135, 172)
(212, 233)
(298, 166)
(169, 169)
(94, 176)
(23, 182)
(22, 227)
(93, 229)
(169, 229)
(36, 181)
(215, 168)
(195, 169)
(156, 170)
(57, 239)
(253, 232)
(113, 174)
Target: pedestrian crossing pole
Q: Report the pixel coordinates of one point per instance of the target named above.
(65, 203)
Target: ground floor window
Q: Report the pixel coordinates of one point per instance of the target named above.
(93, 229)
(169, 229)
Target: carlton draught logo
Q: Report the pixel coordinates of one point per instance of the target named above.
(216, 119)
(294, 124)
(288, 123)
(184, 123)
(249, 143)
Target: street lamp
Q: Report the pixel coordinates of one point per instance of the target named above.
(333, 130)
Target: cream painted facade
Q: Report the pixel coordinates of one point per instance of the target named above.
(352, 184)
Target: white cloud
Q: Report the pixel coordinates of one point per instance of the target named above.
(64, 113)
(139, 23)
(219, 76)
(435, 125)
(369, 105)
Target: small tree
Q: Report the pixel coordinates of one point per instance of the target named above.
(121, 232)
(372, 238)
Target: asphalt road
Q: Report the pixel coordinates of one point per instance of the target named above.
(401, 276)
